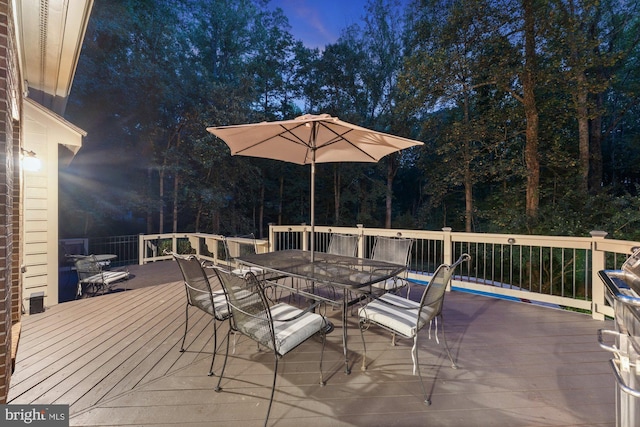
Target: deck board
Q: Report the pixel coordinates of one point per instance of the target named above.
(115, 359)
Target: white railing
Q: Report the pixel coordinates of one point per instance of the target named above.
(155, 247)
(558, 271)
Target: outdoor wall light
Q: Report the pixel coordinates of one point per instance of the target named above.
(30, 162)
(511, 241)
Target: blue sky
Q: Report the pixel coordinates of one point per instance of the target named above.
(319, 22)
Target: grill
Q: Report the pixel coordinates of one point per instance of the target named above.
(623, 293)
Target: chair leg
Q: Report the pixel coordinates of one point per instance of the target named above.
(215, 346)
(416, 365)
(186, 326)
(91, 289)
(224, 365)
(324, 340)
(435, 319)
(446, 345)
(364, 348)
(414, 353)
(273, 388)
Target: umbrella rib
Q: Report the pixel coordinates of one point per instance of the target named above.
(286, 134)
(339, 136)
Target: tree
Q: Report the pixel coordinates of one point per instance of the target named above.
(383, 46)
(445, 71)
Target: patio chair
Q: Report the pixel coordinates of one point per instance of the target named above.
(280, 328)
(343, 244)
(205, 293)
(93, 278)
(405, 317)
(241, 270)
(396, 251)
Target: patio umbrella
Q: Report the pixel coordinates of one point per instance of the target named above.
(310, 139)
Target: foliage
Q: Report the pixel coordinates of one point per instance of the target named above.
(154, 74)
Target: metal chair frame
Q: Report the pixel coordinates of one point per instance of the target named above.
(241, 270)
(200, 294)
(393, 313)
(396, 250)
(343, 244)
(253, 317)
(92, 275)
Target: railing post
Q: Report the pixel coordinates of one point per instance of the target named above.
(141, 249)
(447, 246)
(360, 240)
(194, 241)
(305, 237)
(598, 259)
(212, 247)
(272, 238)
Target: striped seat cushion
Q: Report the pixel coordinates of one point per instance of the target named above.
(390, 284)
(242, 271)
(288, 334)
(219, 301)
(396, 313)
(106, 277)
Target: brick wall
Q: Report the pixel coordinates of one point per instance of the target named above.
(9, 189)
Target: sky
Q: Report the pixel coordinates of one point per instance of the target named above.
(319, 22)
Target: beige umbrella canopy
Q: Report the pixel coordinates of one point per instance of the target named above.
(310, 139)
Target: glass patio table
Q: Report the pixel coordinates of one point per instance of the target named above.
(351, 275)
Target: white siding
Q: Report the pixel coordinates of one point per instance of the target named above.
(43, 132)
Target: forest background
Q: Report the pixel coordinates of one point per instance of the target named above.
(528, 110)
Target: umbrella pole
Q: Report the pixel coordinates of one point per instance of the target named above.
(313, 141)
(313, 196)
(313, 192)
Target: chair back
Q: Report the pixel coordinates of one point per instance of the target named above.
(393, 250)
(343, 244)
(239, 249)
(433, 296)
(196, 283)
(250, 314)
(87, 267)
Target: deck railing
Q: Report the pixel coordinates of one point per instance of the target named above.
(551, 270)
(124, 247)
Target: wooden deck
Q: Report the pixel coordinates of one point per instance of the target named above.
(114, 359)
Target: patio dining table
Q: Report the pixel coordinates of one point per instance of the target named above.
(351, 275)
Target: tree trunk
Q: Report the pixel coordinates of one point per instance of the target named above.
(149, 211)
(176, 181)
(198, 216)
(468, 198)
(161, 207)
(215, 221)
(468, 180)
(162, 172)
(392, 168)
(595, 149)
(531, 155)
(175, 202)
(582, 112)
